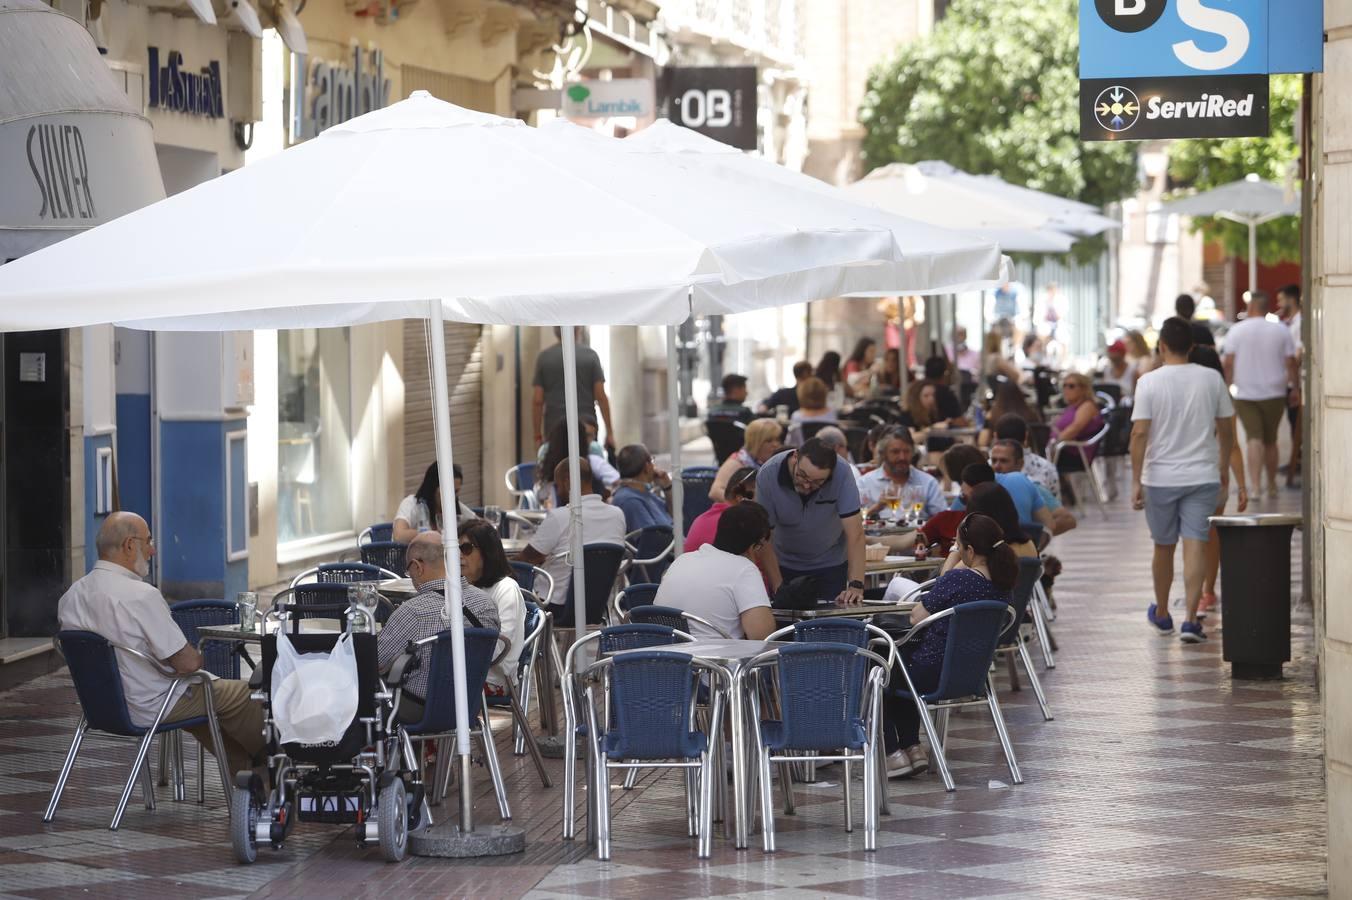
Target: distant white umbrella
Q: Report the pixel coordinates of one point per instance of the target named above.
(1249, 202)
(203, 10)
(907, 190)
(1062, 214)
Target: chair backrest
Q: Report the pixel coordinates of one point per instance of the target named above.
(527, 576)
(348, 572)
(602, 562)
(973, 630)
(809, 429)
(615, 638)
(669, 616)
(380, 531)
(315, 600)
(439, 708)
(530, 629)
(832, 631)
(650, 702)
(521, 477)
(218, 657)
(641, 594)
(355, 739)
(390, 555)
(98, 683)
(821, 686)
(1030, 570)
(1117, 442)
(652, 542)
(697, 481)
(727, 434)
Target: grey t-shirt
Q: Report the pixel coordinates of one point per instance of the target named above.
(808, 532)
(549, 375)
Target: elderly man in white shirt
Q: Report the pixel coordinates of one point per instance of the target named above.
(113, 602)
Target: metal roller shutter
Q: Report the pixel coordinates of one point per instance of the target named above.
(464, 376)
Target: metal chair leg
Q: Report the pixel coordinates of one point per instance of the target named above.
(180, 786)
(525, 737)
(709, 770)
(1043, 636)
(943, 725)
(1033, 680)
(148, 785)
(1098, 489)
(849, 807)
(870, 796)
(767, 802)
(570, 769)
(69, 764)
(786, 787)
(936, 745)
(138, 764)
(1013, 668)
(880, 757)
(998, 716)
(523, 702)
(691, 803)
(201, 773)
(494, 769)
(630, 779)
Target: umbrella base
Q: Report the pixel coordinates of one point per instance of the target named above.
(447, 841)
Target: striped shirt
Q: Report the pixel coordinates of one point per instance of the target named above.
(421, 617)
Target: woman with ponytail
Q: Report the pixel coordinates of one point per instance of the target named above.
(982, 567)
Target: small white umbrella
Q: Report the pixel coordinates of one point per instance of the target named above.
(1250, 202)
(1062, 214)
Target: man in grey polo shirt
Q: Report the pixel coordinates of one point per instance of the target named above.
(813, 504)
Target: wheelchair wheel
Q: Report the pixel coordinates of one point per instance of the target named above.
(243, 815)
(392, 821)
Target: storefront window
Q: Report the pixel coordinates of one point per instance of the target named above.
(314, 437)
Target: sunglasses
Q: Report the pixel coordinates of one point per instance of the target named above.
(466, 548)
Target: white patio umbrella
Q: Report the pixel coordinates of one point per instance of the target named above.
(417, 211)
(1250, 202)
(906, 190)
(1063, 214)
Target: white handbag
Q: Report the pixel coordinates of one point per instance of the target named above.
(314, 695)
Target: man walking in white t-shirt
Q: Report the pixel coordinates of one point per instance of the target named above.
(1182, 412)
(1260, 361)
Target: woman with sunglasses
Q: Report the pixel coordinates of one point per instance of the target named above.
(484, 565)
(1080, 421)
(741, 486)
(985, 568)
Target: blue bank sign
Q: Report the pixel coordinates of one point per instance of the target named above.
(1177, 38)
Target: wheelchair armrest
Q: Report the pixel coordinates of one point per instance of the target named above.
(403, 666)
(256, 679)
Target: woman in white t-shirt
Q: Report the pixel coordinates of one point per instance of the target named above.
(484, 565)
(421, 510)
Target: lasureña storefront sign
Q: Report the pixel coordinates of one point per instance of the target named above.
(175, 88)
(333, 92)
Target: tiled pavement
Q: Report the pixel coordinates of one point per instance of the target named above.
(1160, 777)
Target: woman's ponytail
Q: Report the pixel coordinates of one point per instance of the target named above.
(987, 539)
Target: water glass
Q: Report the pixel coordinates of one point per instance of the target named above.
(247, 603)
(493, 515)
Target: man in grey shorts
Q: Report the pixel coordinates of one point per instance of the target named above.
(1183, 425)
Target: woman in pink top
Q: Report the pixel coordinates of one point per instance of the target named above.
(741, 486)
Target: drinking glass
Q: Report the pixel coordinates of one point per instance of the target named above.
(247, 602)
(892, 500)
(362, 598)
(493, 515)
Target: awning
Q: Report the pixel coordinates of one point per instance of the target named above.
(74, 151)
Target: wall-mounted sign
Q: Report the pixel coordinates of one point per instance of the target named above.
(1135, 109)
(717, 101)
(60, 167)
(603, 99)
(333, 92)
(1176, 38)
(174, 88)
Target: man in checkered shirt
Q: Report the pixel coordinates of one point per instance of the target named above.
(424, 615)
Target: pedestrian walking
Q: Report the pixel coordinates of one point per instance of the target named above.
(1261, 362)
(1289, 298)
(1182, 427)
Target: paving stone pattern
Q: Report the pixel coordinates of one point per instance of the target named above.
(1160, 777)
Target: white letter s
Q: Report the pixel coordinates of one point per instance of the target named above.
(1214, 21)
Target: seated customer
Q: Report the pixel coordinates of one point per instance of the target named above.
(112, 601)
(601, 524)
(639, 478)
(720, 581)
(788, 396)
(484, 565)
(987, 569)
(421, 510)
(427, 614)
(812, 399)
(742, 486)
(555, 450)
(733, 405)
(993, 500)
(1027, 499)
(764, 438)
(941, 528)
(1009, 456)
(1037, 467)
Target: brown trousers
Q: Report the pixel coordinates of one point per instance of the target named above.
(240, 720)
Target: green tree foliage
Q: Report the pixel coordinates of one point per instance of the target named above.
(1212, 163)
(995, 90)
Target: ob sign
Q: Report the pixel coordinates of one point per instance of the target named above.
(1180, 38)
(717, 101)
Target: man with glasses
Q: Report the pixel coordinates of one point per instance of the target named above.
(1007, 457)
(813, 505)
(113, 602)
(425, 615)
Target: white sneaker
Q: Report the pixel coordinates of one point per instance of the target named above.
(899, 764)
(919, 759)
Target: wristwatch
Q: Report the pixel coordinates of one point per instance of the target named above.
(856, 584)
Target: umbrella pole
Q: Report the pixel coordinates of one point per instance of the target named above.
(674, 429)
(450, 541)
(575, 452)
(1253, 256)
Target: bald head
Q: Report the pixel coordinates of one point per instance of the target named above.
(426, 558)
(124, 538)
(1259, 304)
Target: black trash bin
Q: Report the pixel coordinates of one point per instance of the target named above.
(1256, 585)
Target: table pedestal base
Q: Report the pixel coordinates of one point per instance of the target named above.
(446, 840)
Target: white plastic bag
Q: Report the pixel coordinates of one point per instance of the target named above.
(314, 695)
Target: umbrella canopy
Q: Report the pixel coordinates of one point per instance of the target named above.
(1061, 213)
(416, 201)
(1239, 201)
(909, 191)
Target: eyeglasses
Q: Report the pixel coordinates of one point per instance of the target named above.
(148, 541)
(805, 481)
(466, 548)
